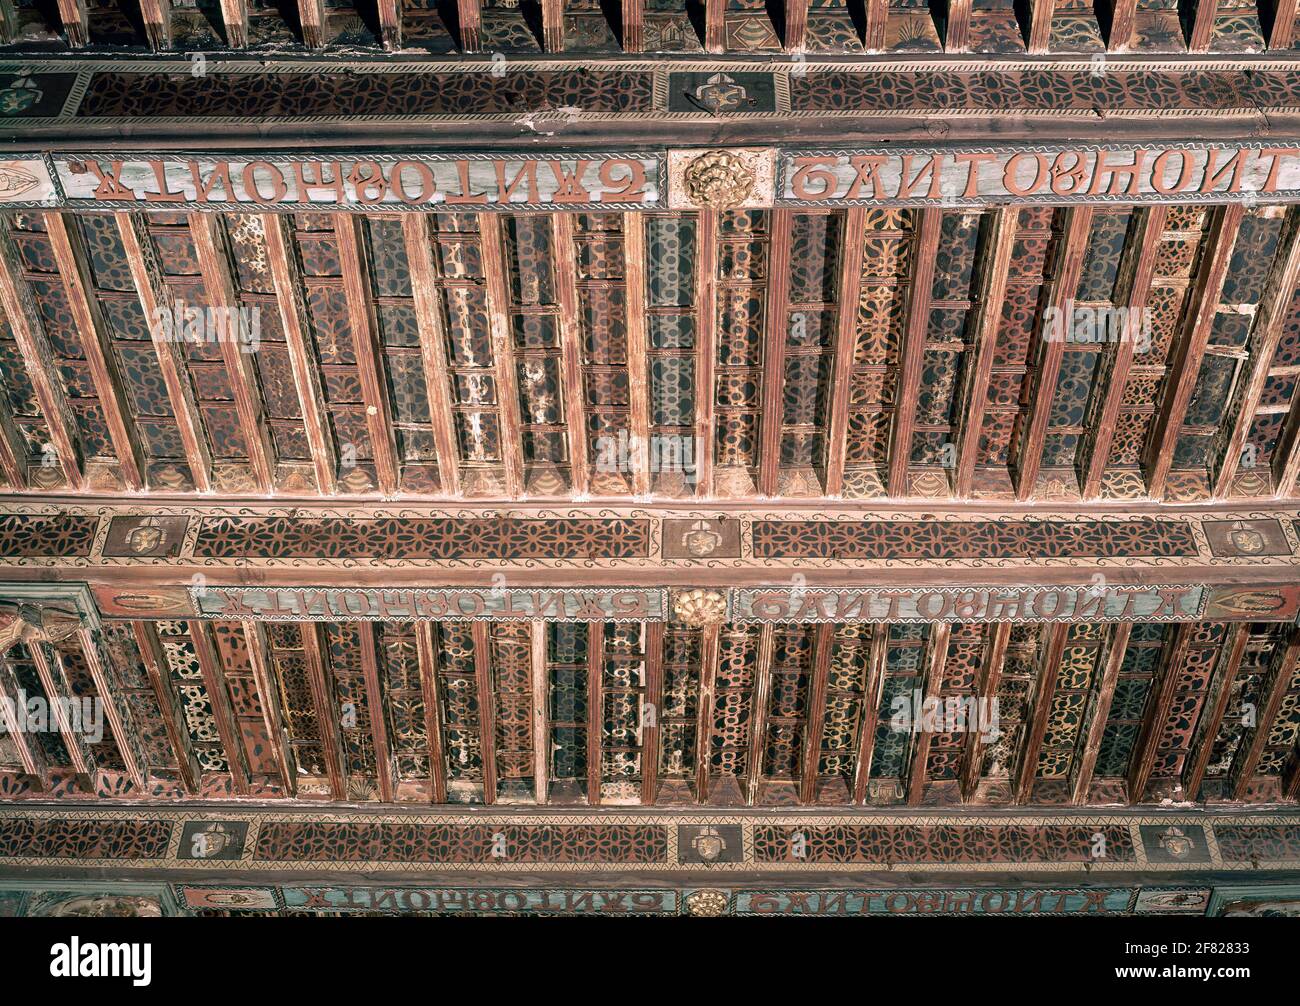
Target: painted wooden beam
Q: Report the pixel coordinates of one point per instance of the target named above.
(487, 721)
(776, 329)
(1202, 30)
(877, 19)
(157, 18)
(796, 25)
(1135, 280)
(595, 708)
(1097, 710)
(706, 347)
(25, 323)
(925, 250)
(571, 348)
(170, 705)
(13, 451)
(957, 31)
(1051, 350)
(654, 699)
(1185, 366)
(814, 726)
(553, 25)
(503, 356)
(709, 638)
(541, 681)
(287, 280)
(715, 25)
(638, 349)
(234, 18)
(96, 349)
(385, 770)
(760, 708)
(1272, 691)
(426, 649)
(919, 755)
(1163, 690)
(1120, 36)
(973, 397)
(1040, 25)
(214, 264)
(996, 639)
(1216, 704)
(370, 358)
(633, 25)
(30, 752)
(1282, 32)
(871, 695)
(223, 716)
(1036, 728)
(154, 298)
(117, 710)
(76, 23)
(311, 19)
(852, 249)
(328, 713)
(471, 21)
(1265, 336)
(390, 24)
(58, 692)
(268, 692)
(433, 347)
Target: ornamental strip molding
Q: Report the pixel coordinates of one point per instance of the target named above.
(679, 179)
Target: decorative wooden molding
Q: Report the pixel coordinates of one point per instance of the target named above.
(287, 279)
(214, 264)
(997, 638)
(877, 19)
(1120, 37)
(571, 346)
(1282, 32)
(370, 358)
(326, 705)
(715, 25)
(1052, 350)
(633, 25)
(1185, 367)
(776, 332)
(925, 251)
(999, 248)
(796, 25)
(390, 23)
(760, 707)
(1139, 267)
(154, 298)
(69, 254)
(1098, 708)
(170, 705)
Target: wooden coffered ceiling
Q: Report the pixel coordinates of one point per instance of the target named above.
(585, 26)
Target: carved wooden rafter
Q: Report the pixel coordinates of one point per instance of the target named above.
(268, 692)
(760, 706)
(912, 357)
(1036, 725)
(311, 20)
(1273, 690)
(845, 347)
(654, 692)
(426, 649)
(775, 335)
(234, 18)
(571, 343)
(1212, 712)
(390, 23)
(706, 346)
(156, 15)
(170, 705)
(919, 753)
(1095, 713)
(76, 22)
(482, 641)
(1156, 714)
(997, 637)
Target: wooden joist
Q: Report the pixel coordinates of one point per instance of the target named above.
(326, 705)
(1138, 269)
(384, 768)
(1096, 712)
(553, 25)
(115, 709)
(1213, 709)
(234, 19)
(709, 648)
(154, 298)
(997, 637)
(595, 709)
(925, 251)
(370, 359)
(287, 280)
(775, 335)
(13, 451)
(390, 23)
(1185, 367)
(214, 264)
(426, 649)
(871, 695)
(469, 13)
(1202, 29)
(311, 21)
(268, 692)
(957, 32)
(96, 348)
(59, 695)
(760, 707)
(157, 18)
(633, 25)
(503, 356)
(223, 716)
(1273, 689)
(919, 749)
(796, 25)
(715, 25)
(541, 682)
(652, 711)
(845, 347)
(170, 705)
(706, 347)
(877, 19)
(1041, 706)
(1120, 37)
(1051, 352)
(973, 398)
(1156, 714)
(76, 22)
(487, 727)
(1040, 25)
(571, 348)
(29, 335)
(1265, 335)
(638, 350)
(1282, 32)
(30, 752)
